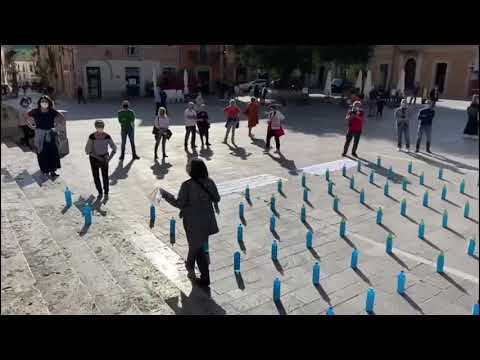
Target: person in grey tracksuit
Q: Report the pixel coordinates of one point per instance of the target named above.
(402, 117)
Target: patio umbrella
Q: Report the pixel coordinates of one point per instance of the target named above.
(154, 79)
(401, 82)
(328, 83)
(358, 83)
(368, 84)
(185, 82)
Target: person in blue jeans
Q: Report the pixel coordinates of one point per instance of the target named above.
(425, 119)
(126, 118)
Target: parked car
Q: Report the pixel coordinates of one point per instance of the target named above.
(341, 85)
(247, 87)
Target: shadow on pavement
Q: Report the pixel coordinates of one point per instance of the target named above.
(120, 172)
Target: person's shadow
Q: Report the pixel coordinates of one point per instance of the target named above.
(435, 163)
(206, 153)
(238, 151)
(160, 170)
(191, 154)
(120, 172)
(285, 163)
(198, 302)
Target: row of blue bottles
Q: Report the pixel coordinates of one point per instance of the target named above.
(403, 208)
(274, 250)
(87, 213)
(309, 239)
(276, 290)
(379, 216)
(343, 227)
(241, 210)
(236, 262)
(303, 214)
(354, 259)
(370, 303)
(389, 245)
(240, 233)
(471, 247)
(316, 274)
(68, 197)
(401, 282)
(273, 223)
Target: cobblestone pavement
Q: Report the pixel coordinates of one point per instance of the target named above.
(314, 135)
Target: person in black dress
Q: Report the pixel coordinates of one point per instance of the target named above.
(203, 124)
(45, 117)
(471, 129)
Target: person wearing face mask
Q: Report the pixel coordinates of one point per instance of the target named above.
(126, 118)
(471, 129)
(197, 199)
(45, 118)
(190, 124)
(425, 119)
(402, 119)
(97, 150)
(355, 120)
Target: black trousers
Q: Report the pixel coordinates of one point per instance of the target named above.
(81, 99)
(196, 254)
(27, 134)
(96, 166)
(190, 130)
(269, 137)
(356, 139)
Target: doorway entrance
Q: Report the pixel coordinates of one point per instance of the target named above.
(410, 67)
(94, 83)
(440, 76)
(132, 76)
(203, 77)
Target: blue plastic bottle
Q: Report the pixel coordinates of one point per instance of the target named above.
(336, 203)
(305, 195)
(462, 187)
(352, 182)
(410, 167)
(404, 184)
(471, 247)
(362, 197)
(359, 166)
(440, 173)
(330, 311)
(152, 213)
(316, 274)
(425, 199)
(401, 282)
(240, 233)
(276, 290)
(273, 222)
(343, 227)
(304, 180)
(241, 210)
(475, 309)
(371, 178)
(389, 247)
(445, 219)
(279, 186)
(87, 213)
(274, 250)
(68, 197)
(379, 161)
(173, 223)
(247, 193)
(403, 208)
(370, 303)
(330, 188)
(466, 210)
(444, 192)
(422, 179)
(386, 189)
(390, 172)
(327, 175)
(303, 214)
(421, 230)
(440, 263)
(344, 171)
(379, 216)
(236, 262)
(272, 203)
(309, 239)
(354, 259)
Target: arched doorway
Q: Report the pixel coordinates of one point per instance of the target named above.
(410, 66)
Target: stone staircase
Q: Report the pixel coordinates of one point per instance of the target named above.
(52, 264)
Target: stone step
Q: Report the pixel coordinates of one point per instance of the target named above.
(61, 287)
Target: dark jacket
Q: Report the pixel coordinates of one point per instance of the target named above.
(196, 206)
(425, 116)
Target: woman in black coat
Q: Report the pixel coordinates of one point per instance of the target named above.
(196, 200)
(471, 129)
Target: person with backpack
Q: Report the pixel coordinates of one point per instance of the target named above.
(97, 150)
(161, 131)
(126, 118)
(355, 120)
(197, 199)
(425, 119)
(402, 116)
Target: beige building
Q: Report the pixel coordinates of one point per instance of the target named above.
(453, 68)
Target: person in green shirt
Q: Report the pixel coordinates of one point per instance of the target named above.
(126, 118)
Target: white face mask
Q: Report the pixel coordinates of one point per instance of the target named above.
(44, 105)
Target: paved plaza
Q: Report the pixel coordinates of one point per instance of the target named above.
(53, 264)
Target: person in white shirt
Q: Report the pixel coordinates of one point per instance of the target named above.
(275, 129)
(190, 124)
(402, 119)
(160, 130)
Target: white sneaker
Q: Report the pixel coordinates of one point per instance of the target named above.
(408, 150)
(398, 149)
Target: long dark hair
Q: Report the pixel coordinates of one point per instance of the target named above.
(198, 169)
(48, 99)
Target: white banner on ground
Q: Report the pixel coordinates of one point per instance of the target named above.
(320, 169)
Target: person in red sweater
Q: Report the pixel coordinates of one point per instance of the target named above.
(355, 119)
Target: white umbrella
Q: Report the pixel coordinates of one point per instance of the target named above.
(154, 79)
(185, 82)
(328, 83)
(401, 82)
(358, 83)
(368, 84)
